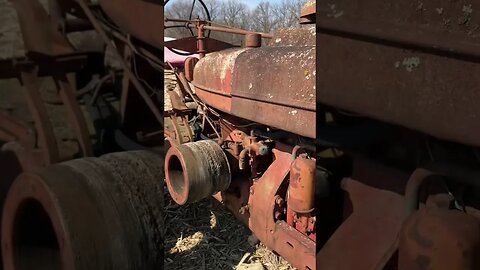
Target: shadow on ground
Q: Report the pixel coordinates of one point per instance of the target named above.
(204, 235)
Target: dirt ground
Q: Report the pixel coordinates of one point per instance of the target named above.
(206, 236)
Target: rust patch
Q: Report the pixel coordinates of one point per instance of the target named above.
(293, 37)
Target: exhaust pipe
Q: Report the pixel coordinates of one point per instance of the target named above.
(196, 170)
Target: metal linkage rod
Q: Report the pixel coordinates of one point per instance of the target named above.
(136, 83)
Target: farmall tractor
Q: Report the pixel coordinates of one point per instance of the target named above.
(242, 128)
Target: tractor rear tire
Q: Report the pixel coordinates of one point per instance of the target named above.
(91, 213)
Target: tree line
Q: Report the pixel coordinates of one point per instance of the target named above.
(264, 17)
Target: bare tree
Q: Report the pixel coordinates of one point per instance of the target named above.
(214, 8)
(189, 9)
(263, 17)
(287, 13)
(233, 13)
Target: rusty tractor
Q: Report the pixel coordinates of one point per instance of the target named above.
(241, 130)
(397, 127)
(89, 75)
(242, 127)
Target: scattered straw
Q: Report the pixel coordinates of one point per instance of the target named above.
(205, 236)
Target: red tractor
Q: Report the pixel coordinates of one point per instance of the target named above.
(242, 129)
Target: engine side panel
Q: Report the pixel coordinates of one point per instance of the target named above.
(401, 64)
(276, 86)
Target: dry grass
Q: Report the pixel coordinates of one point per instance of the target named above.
(204, 235)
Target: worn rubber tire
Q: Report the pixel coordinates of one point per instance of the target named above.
(92, 213)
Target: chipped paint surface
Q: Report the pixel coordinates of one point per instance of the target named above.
(289, 70)
(410, 63)
(287, 37)
(222, 62)
(334, 12)
(214, 71)
(417, 66)
(11, 39)
(260, 84)
(275, 81)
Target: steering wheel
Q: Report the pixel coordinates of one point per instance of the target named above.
(205, 9)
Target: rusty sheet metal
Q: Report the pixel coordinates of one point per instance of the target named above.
(262, 84)
(277, 235)
(301, 191)
(275, 86)
(295, 247)
(28, 158)
(14, 128)
(369, 236)
(435, 25)
(213, 73)
(307, 14)
(142, 19)
(128, 72)
(212, 78)
(61, 7)
(179, 129)
(293, 37)
(435, 237)
(189, 67)
(177, 103)
(39, 33)
(46, 136)
(75, 114)
(281, 117)
(405, 63)
(221, 102)
(12, 68)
